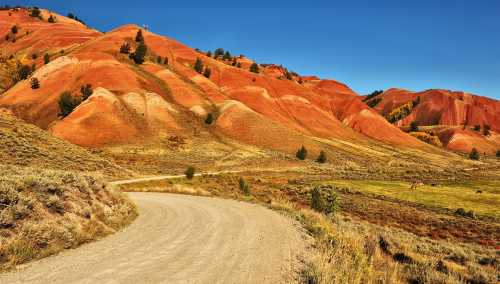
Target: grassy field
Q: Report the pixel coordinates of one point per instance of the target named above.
(483, 197)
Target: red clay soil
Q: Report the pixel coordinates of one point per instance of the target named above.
(133, 102)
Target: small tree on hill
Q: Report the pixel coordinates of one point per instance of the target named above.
(238, 65)
(46, 58)
(234, 61)
(498, 153)
(14, 29)
(301, 153)
(189, 173)
(244, 186)
(322, 157)
(413, 126)
(71, 16)
(218, 52)
(125, 48)
(486, 130)
(139, 37)
(23, 72)
(317, 201)
(227, 56)
(35, 84)
(7, 37)
(210, 118)
(254, 68)
(474, 154)
(51, 19)
(159, 60)
(35, 12)
(67, 103)
(477, 127)
(140, 53)
(207, 72)
(332, 203)
(33, 68)
(165, 61)
(209, 53)
(86, 91)
(198, 66)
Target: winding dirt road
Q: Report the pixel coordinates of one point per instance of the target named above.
(182, 239)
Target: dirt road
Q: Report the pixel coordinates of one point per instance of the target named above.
(182, 239)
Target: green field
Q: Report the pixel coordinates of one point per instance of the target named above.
(452, 196)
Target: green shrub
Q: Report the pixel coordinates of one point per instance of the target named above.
(198, 66)
(210, 119)
(51, 19)
(332, 203)
(498, 153)
(14, 29)
(140, 53)
(46, 58)
(207, 72)
(474, 154)
(322, 157)
(218, 52)
(35, 12)
(301, 153)
(328, 205)
(23, 72)
(244, 186)
(35, 84)
(227, 56)
(477, 127)
(413, 126)
(317, 201)
(189, 173)
(71, 16)
(254, 68)
(209, 53)
(67, 103)
(139, 37)
(373, 102)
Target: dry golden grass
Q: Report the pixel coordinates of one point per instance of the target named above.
(45, 211)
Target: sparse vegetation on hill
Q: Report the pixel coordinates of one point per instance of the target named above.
(372, 95)
(207, 72)
(402, 111)
(301, 153)
(35, 12)
(427, 138)
(23, 72)
(413, 126)
(51, 19)
(218, 52)
(139, 37)
(13, 29)
(244, 186)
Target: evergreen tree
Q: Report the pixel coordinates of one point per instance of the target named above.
(140, 53)
(413, 126)
(234, 61)
(139, 37)
(254, 68)
(165, 61)
(67, 103)
(322, 157)
(35, 84)
(238, 65)
(477, 127)
(125, 48)
(301, 153)
(209, 53)
(86, 91)
(189, 172)
(207, 72)
(486, 130)
(46, 58)
(317, 201)
(23, 72)
(51, 19)
(35, 12)
(218, 52)
(34, 56)
(498, 153)
(210, 118)
(159, 60)
(198, 66)
(71, 16)
(14, 29)
(288, 75)
(227, 56)
(474, 154)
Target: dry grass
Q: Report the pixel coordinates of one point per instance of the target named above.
(45, 211)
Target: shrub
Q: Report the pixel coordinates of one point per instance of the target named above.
(322, 157)
(413, 126)
(14, 29)
(189, 172)
(71, 16)
(474, 154)
(34, 56)
(209, 53)
(67, 103)
(498, 153)
(254, 68)
(332, 203)
(209, 119)
(238, 65)
(35, 12)
(125, 48)
(46, 58)
(35, 84)
(317, 201)
(33, 68)
(140, 53)
(227, 56)
(328, 205)
(165, 61)
(23, 72)
(159, 60)
(477, 127)
(244, 186)
(301, 153)
(234, 61)
(86, 91)
(198, 66)
(139, 37)
(207, 72)
(7, 37)
(463, 213)
(51, 19)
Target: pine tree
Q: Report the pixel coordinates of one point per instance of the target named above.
(322, 157)
(46, 58)
(159, 60)
(317, 201)
(301, 153)
(35, 12)
(140, 53)
(35, 84)
(210, 118)
(235, 62)
(218, 52)
(254, 68)
(71, 16)
(14, 29)
(51, 19)
(189, 172)
(139, 37)
(413, 126)
(209, 53)
(227, 56)
(67, 103)
(474, 154)
(207, 72)
(198, 66)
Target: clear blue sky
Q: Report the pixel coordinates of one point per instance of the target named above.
(450, 44)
